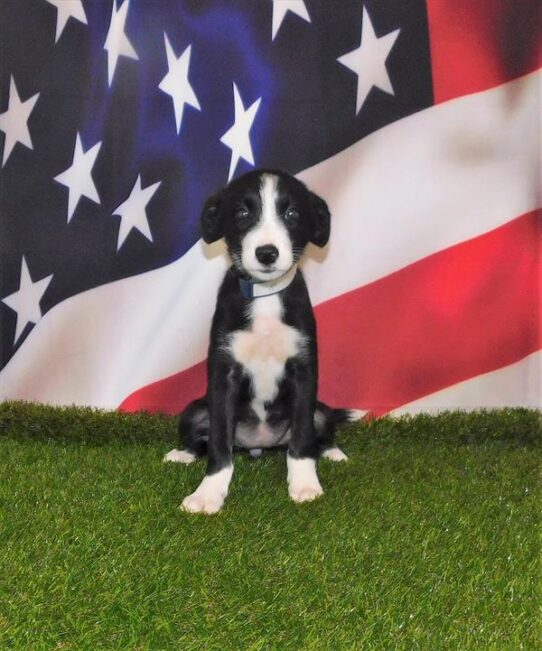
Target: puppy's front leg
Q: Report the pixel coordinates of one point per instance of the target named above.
(303, 483)
(223, 394)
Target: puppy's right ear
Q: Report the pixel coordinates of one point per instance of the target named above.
(211, 221)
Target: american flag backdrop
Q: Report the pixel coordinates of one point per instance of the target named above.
(417, 120)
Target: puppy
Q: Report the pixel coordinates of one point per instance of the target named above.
(262, 362)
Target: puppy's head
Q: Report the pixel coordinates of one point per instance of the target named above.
(267, 218)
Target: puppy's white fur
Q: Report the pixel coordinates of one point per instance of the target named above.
(179, 456)
(264, 348)
(210, 494)
(334, 454)
(269, 230)
(303, 482)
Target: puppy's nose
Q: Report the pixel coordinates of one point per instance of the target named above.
(267, 254)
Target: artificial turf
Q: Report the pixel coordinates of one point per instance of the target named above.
(427, 538)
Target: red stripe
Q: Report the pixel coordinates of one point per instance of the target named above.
(464, 311)
(478, 44)
(171, 394)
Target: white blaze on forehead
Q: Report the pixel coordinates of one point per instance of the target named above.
(268, 197)
(270, 229)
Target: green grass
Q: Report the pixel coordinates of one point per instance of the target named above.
(428, 538)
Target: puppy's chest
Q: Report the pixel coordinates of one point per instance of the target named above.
(265, 346)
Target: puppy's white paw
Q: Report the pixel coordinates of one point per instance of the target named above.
(334, 454)
(210, 494)
(198, 503)
(357, 414)
(303, 483)
(305, 493)
(179, 456)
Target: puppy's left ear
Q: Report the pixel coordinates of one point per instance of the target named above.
(320, 218)
(211, 225)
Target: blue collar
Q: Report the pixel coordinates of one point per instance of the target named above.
(267, 287)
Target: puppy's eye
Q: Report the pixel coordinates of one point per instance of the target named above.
(291, 215)
(241, 215)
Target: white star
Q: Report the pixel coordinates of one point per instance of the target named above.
(78, 176)
(282, 7)
(132, 211)
(26, 301)
(117, 42)
(13, 122)
(176, 83)
(67, 9)
(237, 137)
(368, 61)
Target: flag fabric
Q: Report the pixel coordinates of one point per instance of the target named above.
(418, 121)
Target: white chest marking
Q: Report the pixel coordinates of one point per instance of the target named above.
(264, 348)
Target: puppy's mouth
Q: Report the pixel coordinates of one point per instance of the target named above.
(267, 273)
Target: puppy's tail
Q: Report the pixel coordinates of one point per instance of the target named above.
(341, 416)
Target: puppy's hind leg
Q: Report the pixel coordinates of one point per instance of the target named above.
(193, 433)
(334, 454)
(326, 420)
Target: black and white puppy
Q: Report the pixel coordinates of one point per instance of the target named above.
(262, 362)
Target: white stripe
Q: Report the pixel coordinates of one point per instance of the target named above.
(426, 182)
(517, 385)
(99, 346)
(422, 184)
